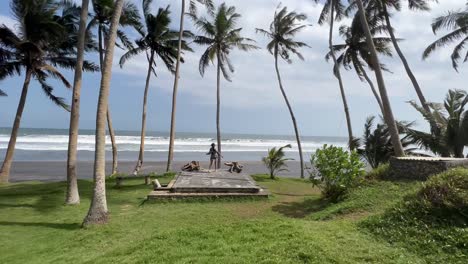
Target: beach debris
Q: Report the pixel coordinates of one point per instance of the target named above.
(234, 166)
(192, 166)
(156, 184)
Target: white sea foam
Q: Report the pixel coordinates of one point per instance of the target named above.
(39, 142)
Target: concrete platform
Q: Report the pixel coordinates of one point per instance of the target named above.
(210, 184)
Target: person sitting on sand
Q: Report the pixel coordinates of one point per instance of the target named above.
(214, 155)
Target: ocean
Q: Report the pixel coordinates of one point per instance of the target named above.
(35, 144)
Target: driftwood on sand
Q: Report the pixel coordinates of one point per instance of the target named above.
(192, 166)
(234, 166)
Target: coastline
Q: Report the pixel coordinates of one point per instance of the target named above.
(50, 171)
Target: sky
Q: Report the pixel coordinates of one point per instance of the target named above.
(252, 102)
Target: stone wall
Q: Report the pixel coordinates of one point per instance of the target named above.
(420, 168)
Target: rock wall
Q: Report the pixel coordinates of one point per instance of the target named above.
(417, 168)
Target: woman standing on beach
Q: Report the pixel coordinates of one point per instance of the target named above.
(214, 155)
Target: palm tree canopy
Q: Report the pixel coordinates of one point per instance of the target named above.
(103, 10)
(221, 36)
(355, 51)
(338, 13)
(375, 145)
(282, 31)
(457, 24)
(451, 118)
(275, 161)
(39, 45)
(157, 38)
(207, 3)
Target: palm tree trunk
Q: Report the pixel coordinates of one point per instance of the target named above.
(73, 196)
(371, 85)
(410, 74)
(293, 118)
(218, 108)
(108, 115)
(143, 118)
(336, 71)
(388, 114)
(170, 155)
(98, 212)
(6, 166)
(113, 141)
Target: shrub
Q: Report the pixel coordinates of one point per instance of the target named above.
(430, 220)
(448, 192)
(169, 174)
(335, 171)
(379, 173)
(275, 160)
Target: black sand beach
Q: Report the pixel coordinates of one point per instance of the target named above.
(56, 170)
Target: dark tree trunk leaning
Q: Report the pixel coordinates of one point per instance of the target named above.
(108, 115)
(170, 155)
(218, 108)
(371, 85)
(6, 166)
(143, 118)
(72, 195)
(293, 118)
(410, 74)
(336, 72)
(98, 212)
(388, 114)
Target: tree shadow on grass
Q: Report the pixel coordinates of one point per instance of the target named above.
(300, 209)
(64, 226)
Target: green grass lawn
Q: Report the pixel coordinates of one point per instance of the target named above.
(293, 226)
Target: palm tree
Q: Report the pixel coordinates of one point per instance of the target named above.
(193, 10)
(72, 195)
(37, 49)
(451, 118)
(221, 36)
(457, 23)
(103, 10)
(334, 10)
(381, 8)
(156, 41)
(375, 145)
(98, 212)
(275, 160)
(355, 52)
(282, 31)
(374, 59)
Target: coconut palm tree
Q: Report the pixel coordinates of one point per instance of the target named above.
(457, 23)
(39, 47)
(72, 195)
(374, 59)
(355, 52)
(103, 10)
(334, 10)
(375, 145)
(383, 8)
(98, 212)
(451, 118)
(157, 41)
(193, 10)
(221, 36)
(275, 161)
(283, 29)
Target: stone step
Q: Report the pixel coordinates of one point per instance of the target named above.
(158, 195)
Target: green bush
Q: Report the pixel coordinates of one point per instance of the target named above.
(379, 173)
(431, 220)
(335, 171)
(169, 174)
